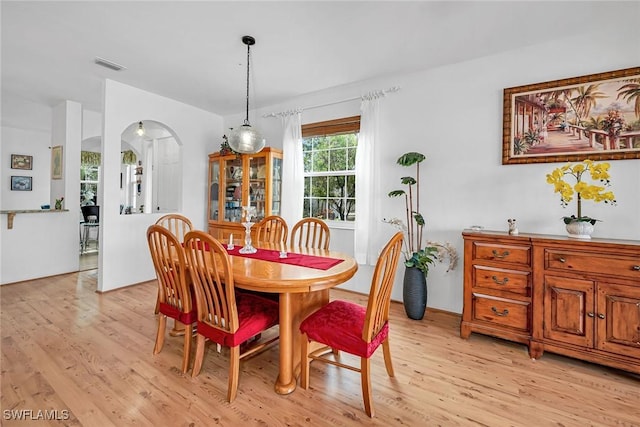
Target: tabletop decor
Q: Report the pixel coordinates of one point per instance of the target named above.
(58, 204)
(417, 256)
(579, 225)
(566, 120)
(249, 212)
(292, 258)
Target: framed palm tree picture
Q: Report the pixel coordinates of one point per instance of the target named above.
(589, 117)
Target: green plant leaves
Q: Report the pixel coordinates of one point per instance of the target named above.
(410, 158)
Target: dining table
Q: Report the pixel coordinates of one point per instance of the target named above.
(302, 278)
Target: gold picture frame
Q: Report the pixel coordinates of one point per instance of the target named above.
(595, 117)
(56, 162)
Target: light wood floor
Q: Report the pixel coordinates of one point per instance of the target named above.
(67, 348)
(89, 261)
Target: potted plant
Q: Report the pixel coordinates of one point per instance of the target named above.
(418, 256)
(581, 226)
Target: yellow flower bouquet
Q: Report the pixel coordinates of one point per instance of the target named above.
(582, 190)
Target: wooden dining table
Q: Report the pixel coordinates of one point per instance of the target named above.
(302, 290)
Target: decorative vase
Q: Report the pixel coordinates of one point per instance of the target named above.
(414, 293)
(580, 229)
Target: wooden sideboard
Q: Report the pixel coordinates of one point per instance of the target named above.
(578, 298)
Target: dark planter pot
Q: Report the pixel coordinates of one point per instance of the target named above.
(414, 293)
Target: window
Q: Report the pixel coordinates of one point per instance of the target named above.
(89, 175)
(329, 153)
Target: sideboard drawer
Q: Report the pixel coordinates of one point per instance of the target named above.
(505, 312)
(582, 262)
(514, 281)
(502, 253)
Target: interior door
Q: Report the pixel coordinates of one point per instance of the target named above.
(167, 176)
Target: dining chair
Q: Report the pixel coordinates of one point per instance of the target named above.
(177, 224)
(226, 317)
(311, 233)
(174, 294)
(354, 329)
(272, 229)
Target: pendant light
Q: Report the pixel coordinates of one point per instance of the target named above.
(140, 131)
(245, 139)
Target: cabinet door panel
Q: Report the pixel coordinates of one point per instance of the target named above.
(618, 319)
(568, 310)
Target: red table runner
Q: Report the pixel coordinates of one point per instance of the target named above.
(303, 260)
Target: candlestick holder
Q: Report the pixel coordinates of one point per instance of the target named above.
(248, 247)
(249, 212)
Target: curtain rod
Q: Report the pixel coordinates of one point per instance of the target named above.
(372, 94)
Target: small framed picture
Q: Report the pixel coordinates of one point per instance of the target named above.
(21, 183)
(56, 162)
(21, 161)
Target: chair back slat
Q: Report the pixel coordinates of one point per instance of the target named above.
(212, 278)
(169, 262)
(381, 286)
(310, 233)
(178, 224)
(272, 229)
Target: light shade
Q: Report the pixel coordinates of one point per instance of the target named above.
(246, 140)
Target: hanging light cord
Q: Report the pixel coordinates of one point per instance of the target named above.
(246, 120)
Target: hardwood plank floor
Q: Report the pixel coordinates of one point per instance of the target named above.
(86, 358)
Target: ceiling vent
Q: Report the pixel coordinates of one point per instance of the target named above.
(109, 64)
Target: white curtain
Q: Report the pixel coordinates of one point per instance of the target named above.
(367, 182)
(292, 167)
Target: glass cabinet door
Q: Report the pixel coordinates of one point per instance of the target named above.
(276, 194)
(214, 190)
(232, 176)
(258, 185)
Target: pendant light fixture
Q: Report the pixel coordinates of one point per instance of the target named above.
(245, 139)
(140, 131)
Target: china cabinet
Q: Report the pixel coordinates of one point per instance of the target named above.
(575, 297)
(242, 180)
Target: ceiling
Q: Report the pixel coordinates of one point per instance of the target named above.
(192, 51)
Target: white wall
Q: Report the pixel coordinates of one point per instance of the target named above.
(44, 244)
(124, 255)
(453, 115)
(32, 143)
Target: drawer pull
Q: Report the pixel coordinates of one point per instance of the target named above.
(502, 255)
(590, 314)
(601, 316)
(636, 267)
(500, 282)
(562, 260)
(499, 313)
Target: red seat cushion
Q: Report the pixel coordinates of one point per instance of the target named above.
(174, 313)
(255, 314)
(339, 325)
